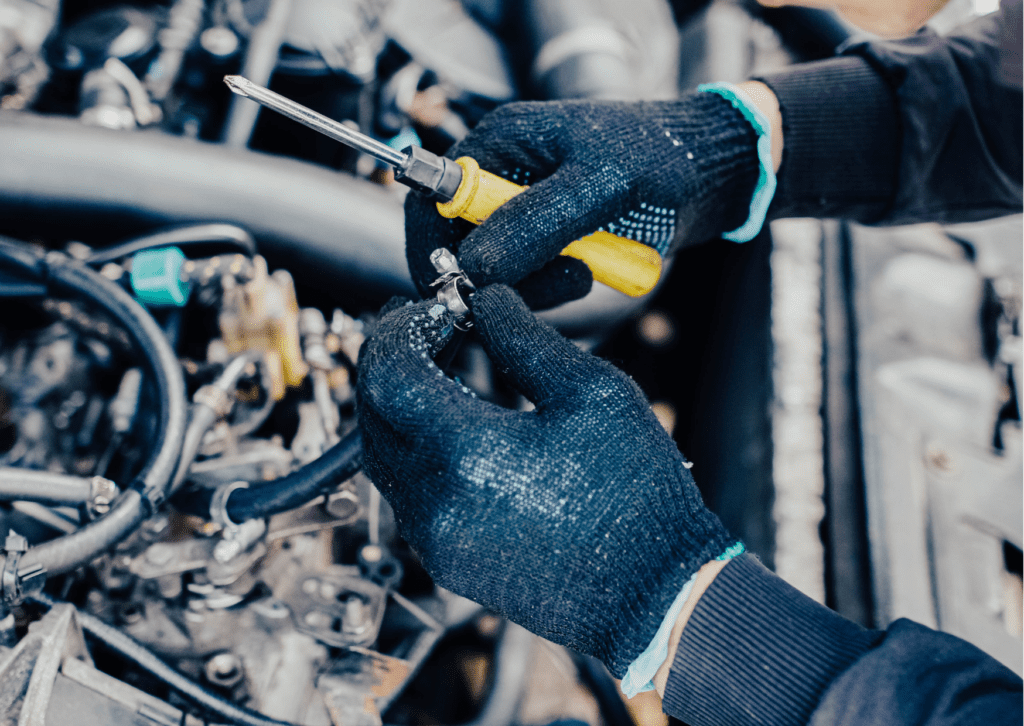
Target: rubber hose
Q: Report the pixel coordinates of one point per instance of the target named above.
(61, 179)
(20, 259)
(338, 463)
(129, 648)
(72, 278)
(221, 236)
(43, 486)
(68, 278)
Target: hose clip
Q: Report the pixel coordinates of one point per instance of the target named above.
(16, 583)
(449, 294)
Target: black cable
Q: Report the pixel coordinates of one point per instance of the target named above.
(338, 463)
(127, 647)
(212, 236)
(68, 278)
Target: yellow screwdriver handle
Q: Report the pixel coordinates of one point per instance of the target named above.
(623, 264)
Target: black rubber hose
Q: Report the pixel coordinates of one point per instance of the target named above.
(338, 463)
(63, 180)
(226, 237)
(67, 278)
(127, 647)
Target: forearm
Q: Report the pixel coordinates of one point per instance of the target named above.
(753, 644)
(750, 643)
(921, 129)
(705, 576)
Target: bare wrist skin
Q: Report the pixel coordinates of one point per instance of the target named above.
(705, 576)
(767, 104)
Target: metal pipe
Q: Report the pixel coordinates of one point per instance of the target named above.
(210, 403)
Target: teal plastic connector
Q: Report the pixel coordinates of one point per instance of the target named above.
(156, 277)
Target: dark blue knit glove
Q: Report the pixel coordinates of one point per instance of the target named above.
(578, 520)
(664, 173)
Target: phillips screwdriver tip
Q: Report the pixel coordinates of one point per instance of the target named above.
(238, 84)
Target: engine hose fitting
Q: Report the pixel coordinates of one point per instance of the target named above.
(17, 582)
(219, 504)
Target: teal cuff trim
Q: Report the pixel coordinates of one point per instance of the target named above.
(765, 190)
(640, 674)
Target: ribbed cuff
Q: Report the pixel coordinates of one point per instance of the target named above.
(840, 141)
(756, 650)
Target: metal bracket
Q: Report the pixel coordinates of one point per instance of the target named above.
(451, 279)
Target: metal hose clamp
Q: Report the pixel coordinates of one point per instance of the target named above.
(451, 279)
(15, 583)
(219, 504)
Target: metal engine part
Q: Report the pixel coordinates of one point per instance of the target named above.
(318, 615)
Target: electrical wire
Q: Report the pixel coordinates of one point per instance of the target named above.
(226, 237)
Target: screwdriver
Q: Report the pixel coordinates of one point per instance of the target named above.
(469, 192)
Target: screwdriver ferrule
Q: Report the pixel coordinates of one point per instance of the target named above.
(429, 173)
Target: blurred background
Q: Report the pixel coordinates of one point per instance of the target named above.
(849, 395)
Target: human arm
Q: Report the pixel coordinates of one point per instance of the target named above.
(922, 129)
(580, 521)
(753, 644)
(897, 132)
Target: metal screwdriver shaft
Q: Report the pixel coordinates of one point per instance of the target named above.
(462, 189)
(318, 122)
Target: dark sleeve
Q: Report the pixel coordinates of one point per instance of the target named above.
(755, 650)
(895, 132)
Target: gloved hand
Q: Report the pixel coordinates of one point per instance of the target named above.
(578, 520)
(663, 173)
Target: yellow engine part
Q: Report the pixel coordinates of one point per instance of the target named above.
(263, 314)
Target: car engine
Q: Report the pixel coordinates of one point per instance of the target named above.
(185, 287)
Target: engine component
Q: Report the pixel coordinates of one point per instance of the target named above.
(39, 486)
(272, 584)
(255, 601)
(147, 492)
(24, 26)
(263, 314)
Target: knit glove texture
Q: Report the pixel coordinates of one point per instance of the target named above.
(665, 173)
(578, 520)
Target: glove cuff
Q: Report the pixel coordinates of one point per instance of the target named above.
(717, 171)
(765, 189)
(644, 606)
